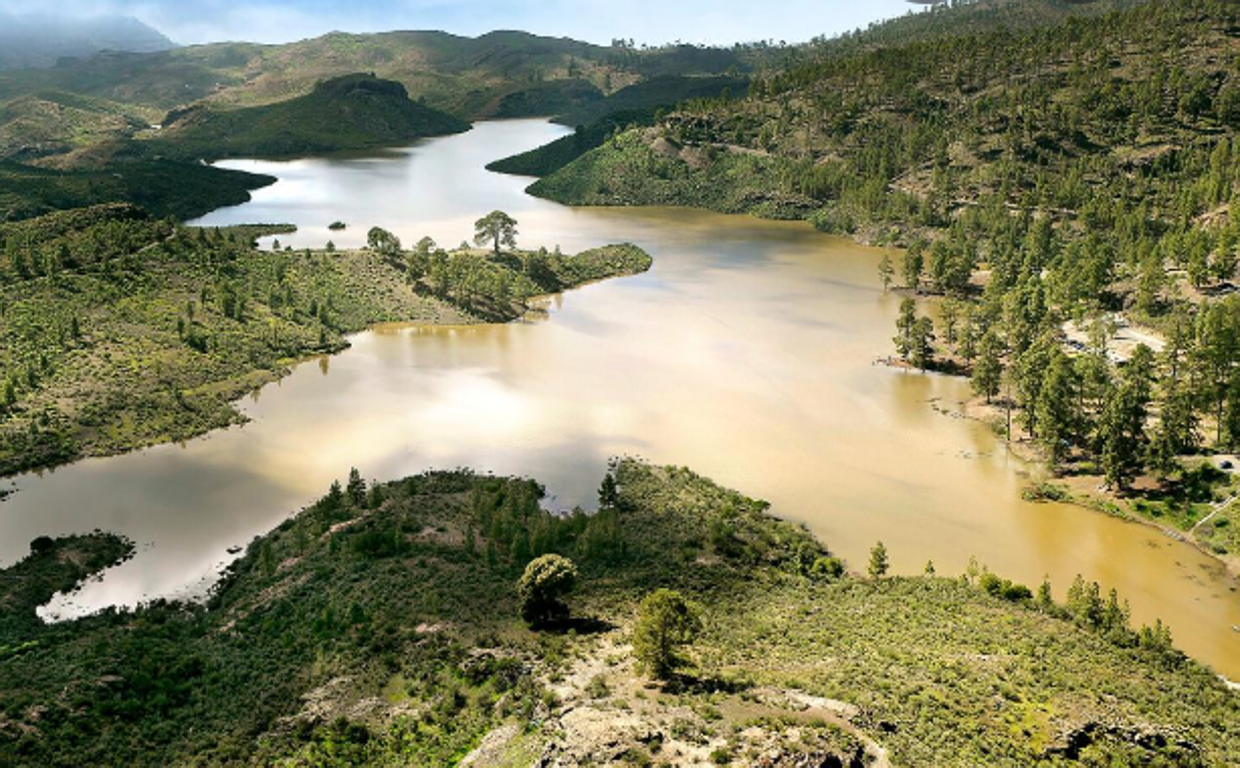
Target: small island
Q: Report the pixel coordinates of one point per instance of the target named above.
(121, 330)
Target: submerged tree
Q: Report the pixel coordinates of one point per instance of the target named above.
(886, 272)
(906, 324)
(923, 343)
(497, 228)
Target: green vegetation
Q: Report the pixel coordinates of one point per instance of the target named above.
(165, 188)
(543, 586)
(380, 626)
(551, 157)
(640, 104)
(654, 93)
(119, 330)
(53, 565)
(665, 622)
(349, 112)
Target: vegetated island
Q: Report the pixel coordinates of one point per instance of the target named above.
(119, 330)
(1066, 194)
(447, 618)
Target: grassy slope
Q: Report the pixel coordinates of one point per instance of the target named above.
(173, 323)
(350, 112)
(383, 630)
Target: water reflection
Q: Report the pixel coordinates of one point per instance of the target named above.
(746, 354)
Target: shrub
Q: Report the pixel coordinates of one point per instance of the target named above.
(827, 568)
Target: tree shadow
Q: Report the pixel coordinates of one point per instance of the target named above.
(688, 683)
(580, 625)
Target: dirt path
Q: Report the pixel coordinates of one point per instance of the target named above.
(608, 712)
(1219, 507)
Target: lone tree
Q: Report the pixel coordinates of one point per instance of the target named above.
(546, 581)
(356, 489)
(666, 622)
(382, 241)
(878, 561)
(498, 228)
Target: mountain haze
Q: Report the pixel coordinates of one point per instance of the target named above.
(40, 40)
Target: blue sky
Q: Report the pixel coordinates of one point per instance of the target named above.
(650, 21)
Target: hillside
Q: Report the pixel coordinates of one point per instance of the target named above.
(965, 17)
(41, 39)
(350, 112)
(380, 626)
(164, 188)
(637, 104)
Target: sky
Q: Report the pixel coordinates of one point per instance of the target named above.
(645, 21)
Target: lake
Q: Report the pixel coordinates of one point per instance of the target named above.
(746, 354)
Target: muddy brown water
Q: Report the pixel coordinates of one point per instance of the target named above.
(745, 354)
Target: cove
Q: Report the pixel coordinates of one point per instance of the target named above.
(745, 354)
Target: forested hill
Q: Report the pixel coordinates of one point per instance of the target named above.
(350, 112)
(1080, 175)
(939, 19)
(1127, 103)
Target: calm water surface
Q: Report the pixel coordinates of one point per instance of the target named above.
(745, 354)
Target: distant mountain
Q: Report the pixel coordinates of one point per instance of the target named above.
(40, 40)
(350, 112)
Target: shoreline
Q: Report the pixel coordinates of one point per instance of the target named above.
(236, 388)
(1022, 452)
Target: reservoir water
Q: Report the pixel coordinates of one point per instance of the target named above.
(746, 353)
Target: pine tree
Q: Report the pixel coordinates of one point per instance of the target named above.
(1056, 408)
(1122, 430)
(1215, 355)
(905, 326)
(988, 370)
(914, 262)
(949, 316)
(878, 561)
(923, 338)
(608, 494)
(356, 488)
(886, 272)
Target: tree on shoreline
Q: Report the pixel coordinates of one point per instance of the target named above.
(878, 561)
(497, 228)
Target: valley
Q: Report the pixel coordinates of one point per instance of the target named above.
(354, 393)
